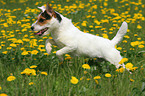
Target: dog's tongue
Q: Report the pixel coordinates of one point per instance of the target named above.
(38, 33)
(41, 31)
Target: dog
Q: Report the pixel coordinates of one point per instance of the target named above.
(75, 42)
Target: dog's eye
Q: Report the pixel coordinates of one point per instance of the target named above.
(41, 20)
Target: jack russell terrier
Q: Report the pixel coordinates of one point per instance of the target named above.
(73, 41)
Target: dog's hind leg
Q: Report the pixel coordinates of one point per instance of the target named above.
(48, 44)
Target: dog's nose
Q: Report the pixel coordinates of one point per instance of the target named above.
(32, 27)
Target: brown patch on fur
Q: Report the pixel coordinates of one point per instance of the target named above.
(40, 17)
(46, 16)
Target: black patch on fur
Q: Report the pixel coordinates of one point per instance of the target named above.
(58, 17)
(47, 16)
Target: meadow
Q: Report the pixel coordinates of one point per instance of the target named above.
(27, 70)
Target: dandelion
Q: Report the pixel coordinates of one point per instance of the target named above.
(119, 48)
(31, 83)
(24, 53)
(3, 94)
(107, 75)
(105, 36)
(74, 80)
(86, 66)
(34, 52)
(134, 68)
(126, 36)
(84, 23)
(0, 88)
(82, 78)
(28, 71)
(139, 27)
(46, 54)
(88, 79)
(131, 80)
(129, 66)
(121, 70)
(44, 73)
(97, 77)
(11, 78)
(141, 46)
(85, 72)
(96, 81)
(5, 52)
(68, 58)
(13, 45)
(54, 52)
(33, 66)
(123, 60)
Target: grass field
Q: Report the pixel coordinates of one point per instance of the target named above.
(20, 50)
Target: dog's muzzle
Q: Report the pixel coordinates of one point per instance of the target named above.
(41, 32)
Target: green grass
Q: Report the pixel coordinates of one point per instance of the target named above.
(15, 21)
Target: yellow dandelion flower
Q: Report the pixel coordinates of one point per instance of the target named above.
(135, 34)
(68, 58)
(11, 78)
(141, 46)
(5, 52)
(119, 48)
(131, 80)
(88, 79)
(129, 66)
(84, 24)
(96, 81)
(139, 27)
(97, 77)
(86, 66)
(33, 72)
(24, 53)
(46, 54)
(67, 55)
(50, 38)
(121, 70)
(124, 41)
(74, 80)
(3, 94)
(105, 36)
(54, 52)
(44, 73)
(123, 60)
(107, 75)
(34, 52)
(85, 72)
(0, 88)
(126, 36)
(33, 66)
(31, 83)
(134, 68)
(105, 4)
(28, 71)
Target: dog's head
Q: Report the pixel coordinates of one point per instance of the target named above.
(46, 21)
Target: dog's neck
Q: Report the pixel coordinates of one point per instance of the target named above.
(65, 26)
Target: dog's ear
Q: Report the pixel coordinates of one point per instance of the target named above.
(50, 10)
(42, 8)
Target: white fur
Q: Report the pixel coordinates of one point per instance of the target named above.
(71, 40)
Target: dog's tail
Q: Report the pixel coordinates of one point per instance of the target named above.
(121, 32)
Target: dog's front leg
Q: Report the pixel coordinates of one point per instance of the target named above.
(63, 51)
(48, 45)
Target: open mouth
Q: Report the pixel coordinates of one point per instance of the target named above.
(41, 32)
